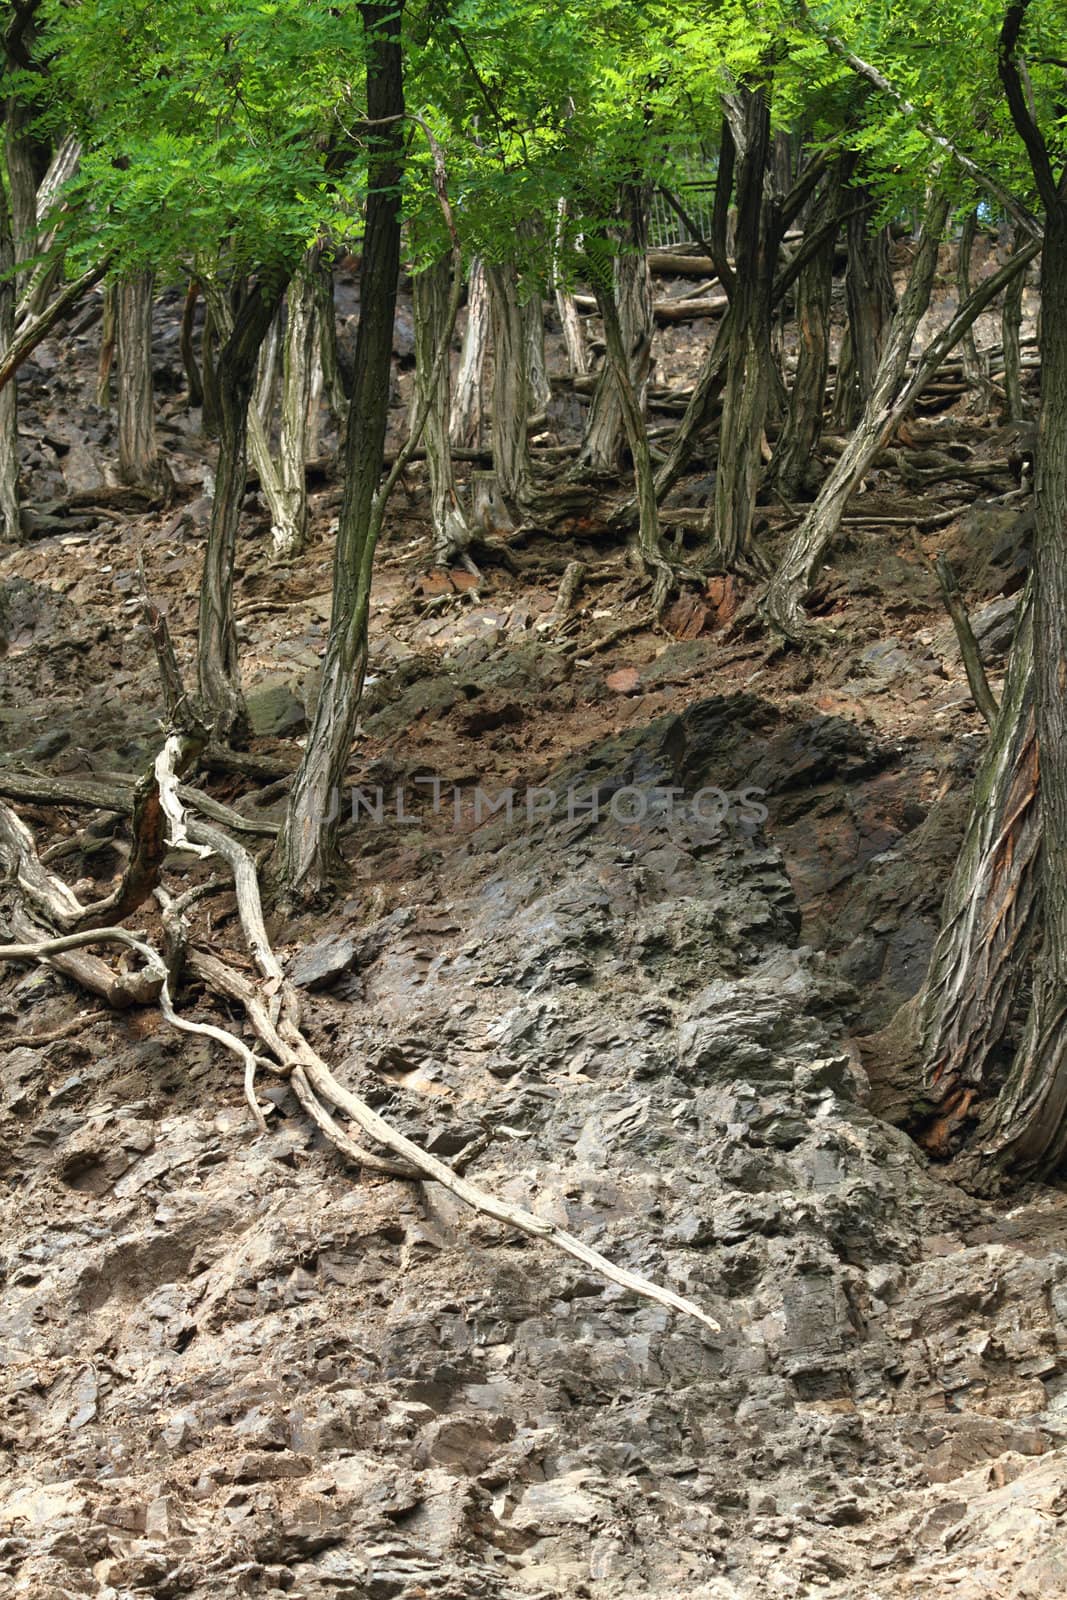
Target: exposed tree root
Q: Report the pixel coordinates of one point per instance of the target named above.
(273, 1011)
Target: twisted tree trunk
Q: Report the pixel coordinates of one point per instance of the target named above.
(605, 428)
(217, 662)
(10, 526)
(1011, 317)
(510, 411)
(465, 424)
(451, 529)
(872, 302)
(304, 855)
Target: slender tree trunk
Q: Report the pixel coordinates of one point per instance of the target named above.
(872, 303)
(106, 358)
(209, 351)
(987, 923)
(748, 376)
(451, 529)
(217, 663)
(510, 412)
(605, 428)
(139, 458)
(194, 383)
(23, 178)
(10, 527)
(784, 598)
(326, 328)
(43, 278)
(570, 322)
(648, 548)
(305, 851)
(268, 372)
(807, 400)
(975, 365)
(1011, 318)
(283, 479)
(465, 425)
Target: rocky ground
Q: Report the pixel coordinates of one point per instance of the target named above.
(233, 1366)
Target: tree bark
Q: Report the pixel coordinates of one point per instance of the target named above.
(510, 410)
(139, 459)
(619, 362)
(305, 852)
(872, 303)
(987, 923)
(1027, 1131)
(465, 425)
(326, 328)
(1011, 317)
(193, 380)
(605, 428)
(748, 381)
(451, 529)
(10, 526)
(782, 604)
(975, 365)
(217, 664)
(570, 322)
(807, 399)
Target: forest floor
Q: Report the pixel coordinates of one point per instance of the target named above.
(230, 1365)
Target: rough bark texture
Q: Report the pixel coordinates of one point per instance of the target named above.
(10, 529)
(1028, 1128)
(975, 365)
(871, 305)
(619, 366)
(749, 359)
(1011, 317)
(326, 328)
(803, 423)
(795, 574)
(451, 530)
(509, 433)
(139, 460)
(217, 664)
(987, 924)
(306, 844)
(570, 322)
(194, 383)
(465, 425)
(605, 429)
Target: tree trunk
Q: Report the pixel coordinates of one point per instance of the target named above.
(217, 663)
(570, 322)
(326, 327)
(987, 923)
(209, 351)
(748, 382)
(268, 370)
(465, 425)
(1027, 1131)
(10, 527)
(620, 367)
(451, 529)
(975, 365)
(510, 410)
(106, 358)
(1011, 317)
(605, 428)
(782, 604)
(43, 278)
(283, 480)
(194, 383)
(807, 400)
(872, 303)
(23, 178)
(305, 851)
(139, 458)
